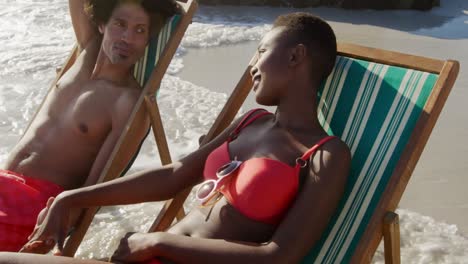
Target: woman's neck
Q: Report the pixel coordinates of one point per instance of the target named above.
(298, 119)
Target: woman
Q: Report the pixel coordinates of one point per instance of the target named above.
(281, 176)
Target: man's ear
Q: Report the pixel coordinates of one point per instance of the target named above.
(297, 54)
(101, 28)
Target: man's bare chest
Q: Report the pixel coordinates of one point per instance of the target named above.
(82, 108)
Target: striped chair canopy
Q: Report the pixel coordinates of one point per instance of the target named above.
(144, 67)
(374, 108)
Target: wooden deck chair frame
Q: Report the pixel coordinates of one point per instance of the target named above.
(146, 102)
(384, 222)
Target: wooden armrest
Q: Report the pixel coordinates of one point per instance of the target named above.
(391, 233)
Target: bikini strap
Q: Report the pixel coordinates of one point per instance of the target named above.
(255, 113)
(302, 161)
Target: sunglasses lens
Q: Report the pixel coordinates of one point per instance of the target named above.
(205, 189)
(228, 168)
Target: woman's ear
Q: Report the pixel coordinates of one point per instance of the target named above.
(297, 55)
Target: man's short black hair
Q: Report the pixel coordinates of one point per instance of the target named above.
(316, 35)
(100, 11)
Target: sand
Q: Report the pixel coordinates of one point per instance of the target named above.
(438, 185)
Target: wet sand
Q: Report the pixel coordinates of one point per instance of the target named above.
(438, 185)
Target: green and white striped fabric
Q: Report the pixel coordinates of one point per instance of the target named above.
(144, 67)
(155, 48)
(373, 108)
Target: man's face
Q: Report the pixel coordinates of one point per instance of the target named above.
(126, 34)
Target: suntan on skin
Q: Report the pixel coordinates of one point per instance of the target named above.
(287, 74)
(72, 136)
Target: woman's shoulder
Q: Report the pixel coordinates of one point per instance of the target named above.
(335, 150)
(332, 159)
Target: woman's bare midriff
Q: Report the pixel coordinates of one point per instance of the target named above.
(222, 221)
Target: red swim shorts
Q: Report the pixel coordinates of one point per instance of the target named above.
(21, 200)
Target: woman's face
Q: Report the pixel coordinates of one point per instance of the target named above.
(270, 74)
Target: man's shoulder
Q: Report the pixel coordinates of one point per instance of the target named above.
(131, 92)
(126, 98)
(124, 106)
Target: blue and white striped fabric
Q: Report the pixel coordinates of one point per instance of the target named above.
(373, 108)
(144, 67)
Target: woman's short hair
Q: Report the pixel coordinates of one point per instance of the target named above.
(316, 34)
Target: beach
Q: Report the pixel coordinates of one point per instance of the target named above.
(37, 36)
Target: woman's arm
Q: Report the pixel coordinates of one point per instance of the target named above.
(154, 184)
(298, 232)
(149, 185)
(316, 203)
(140, 247)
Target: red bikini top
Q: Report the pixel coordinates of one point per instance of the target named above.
(261, 188)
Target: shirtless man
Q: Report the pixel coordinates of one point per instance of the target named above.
(72, 136)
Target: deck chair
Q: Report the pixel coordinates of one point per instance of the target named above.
(384, 105)
(149, 72)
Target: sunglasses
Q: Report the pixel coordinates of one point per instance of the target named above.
(209, 189)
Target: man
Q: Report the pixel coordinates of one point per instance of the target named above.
(72, 136)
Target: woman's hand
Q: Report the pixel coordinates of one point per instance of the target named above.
(137, 247)
(51, 228)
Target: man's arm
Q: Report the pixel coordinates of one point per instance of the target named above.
(84, 29)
